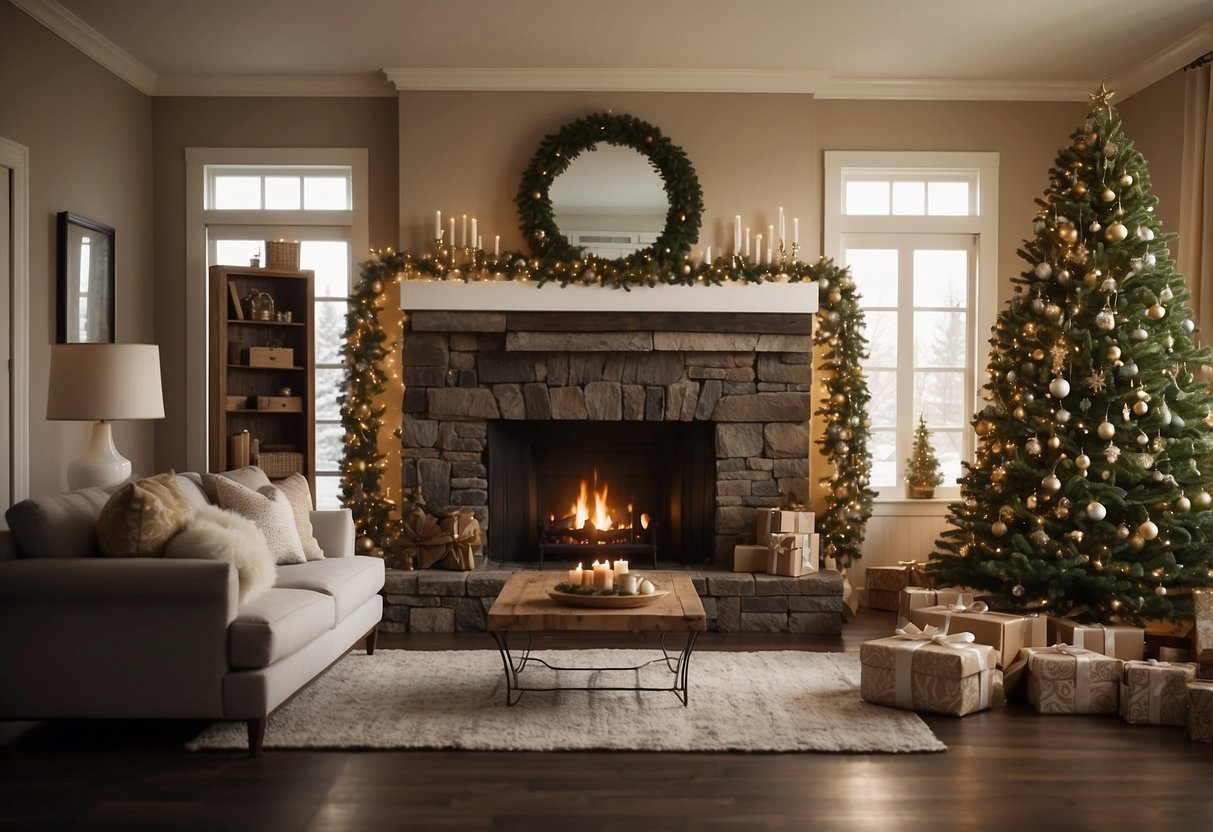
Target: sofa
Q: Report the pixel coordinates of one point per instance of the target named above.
(89, 636)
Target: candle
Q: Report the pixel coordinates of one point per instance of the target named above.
(575, 575)
(747, 241)
(707, 257)
(621, 568)
(475, 238)
(737, 234)
(496, 245)
(437, 225)
(604, 578)
(783, 231)
(795, 230)
(757, 249)
(463, 237)
(452, 240)
(587, 577)
(770, 239)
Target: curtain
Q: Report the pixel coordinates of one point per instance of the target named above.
(1195, 259)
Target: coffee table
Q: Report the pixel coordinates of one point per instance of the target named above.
(523, 606)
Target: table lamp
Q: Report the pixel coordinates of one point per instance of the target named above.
(100, 383)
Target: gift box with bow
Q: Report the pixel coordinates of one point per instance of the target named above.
(1200, 711)
(464, 531)
(1155, 693)
(1007, 633)
(1202, 637)
(916, 597)
(1064, 679)
(1121, 642)
(773, 521)
(925, 669)
(793, 555)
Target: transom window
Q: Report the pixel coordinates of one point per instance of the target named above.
(915, 229)
(256, 188)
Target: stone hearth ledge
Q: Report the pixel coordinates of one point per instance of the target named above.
(436, 601)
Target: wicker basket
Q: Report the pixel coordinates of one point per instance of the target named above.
(279, 464)
(922, 492)
(281, 254)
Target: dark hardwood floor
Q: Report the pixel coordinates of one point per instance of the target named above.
(1007, 769)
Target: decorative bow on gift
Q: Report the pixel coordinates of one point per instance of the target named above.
(423, 542)
(917, 570)
(787, 546)
(931, 633)
(960, 605)
(464, 532)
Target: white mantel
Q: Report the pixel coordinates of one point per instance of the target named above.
(527, 296)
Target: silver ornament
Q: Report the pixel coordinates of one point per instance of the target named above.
(1017, 590)
(1096, 510)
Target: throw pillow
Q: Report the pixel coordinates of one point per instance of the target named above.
(299, 493)
(141, 516)
(250, 476)
(271, 511)
(212, 533)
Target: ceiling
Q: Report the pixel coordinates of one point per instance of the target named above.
(1026, 49)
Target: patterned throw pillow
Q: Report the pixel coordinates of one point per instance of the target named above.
(141, 516)
(297, 490)
(250, 476)
(270, 509)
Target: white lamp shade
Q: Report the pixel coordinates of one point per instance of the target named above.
(96, 382)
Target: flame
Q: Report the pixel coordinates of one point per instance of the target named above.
(601, 516)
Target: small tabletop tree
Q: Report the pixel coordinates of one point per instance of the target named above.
(922, 468)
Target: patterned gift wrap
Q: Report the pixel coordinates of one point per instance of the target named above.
(881, 599)
(1121, 642)
(1202, 601)
(1007, 633)
(887, 578)
(1200, 711)
(1072, 680)
(924, 671)
(1155, 693)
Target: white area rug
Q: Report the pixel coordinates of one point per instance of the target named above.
(761, 701)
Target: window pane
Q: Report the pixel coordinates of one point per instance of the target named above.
(948, 447)
(329, 440)
(237, 192)
(883, 446)
(875, 273)
(236, 252)
(328, 492)
(948, 199)
(909, 199)
(939, 339)
(330, 260)
(867, 198)
(941, 277)
(882, 409)
(939, 395)
(881, 331)
(329, 385)
(325, 193)
(282, 193)
(330, 331)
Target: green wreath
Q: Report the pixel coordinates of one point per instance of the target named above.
(557, 152)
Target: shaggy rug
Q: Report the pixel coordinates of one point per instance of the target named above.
(761, 701)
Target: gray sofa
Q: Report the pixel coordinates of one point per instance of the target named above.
(88, 636)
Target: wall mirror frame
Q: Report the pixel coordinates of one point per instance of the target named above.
(85, 302)
(558, 150)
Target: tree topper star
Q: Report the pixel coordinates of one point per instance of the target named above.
(1102, 97)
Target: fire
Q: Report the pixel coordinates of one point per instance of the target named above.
(601, 516)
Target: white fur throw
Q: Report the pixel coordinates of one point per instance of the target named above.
(211, 533)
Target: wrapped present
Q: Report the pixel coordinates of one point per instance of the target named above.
(887, 578)
(927, 670)
(1200, 711)
(750, 558)
(1155, 693)
(1121, 642)
(464, 531)
(1064, 679)
(1008, 633)
(772, 521)
(880, 599)
(422, 542)
(916, 597)
(1202, 637)
(793, 554)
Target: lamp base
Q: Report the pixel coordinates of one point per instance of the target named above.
(101, 464)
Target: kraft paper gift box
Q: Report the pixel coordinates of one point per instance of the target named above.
(880, 599)
(773, 521)
(916, 597)
(887, 578)
(1007, 633)
(792, 555)
(1063, 679)
(750, 558)
(1155, 693)
(1121, 642)
(1200, 711)
(1202, 637)
(915, 672)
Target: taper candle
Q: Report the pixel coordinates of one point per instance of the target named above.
(437, 225)
(737, 234)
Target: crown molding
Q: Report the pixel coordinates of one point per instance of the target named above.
(91, 42)
(370, 85)
(1171, 59)
(896, 89)
(603, 79)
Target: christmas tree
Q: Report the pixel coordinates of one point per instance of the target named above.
(922, 468)
(1090, 488)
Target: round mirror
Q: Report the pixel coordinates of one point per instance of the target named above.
(608, 171)
(609, 202)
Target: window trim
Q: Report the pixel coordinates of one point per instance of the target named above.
(839, 164)
(198, 217)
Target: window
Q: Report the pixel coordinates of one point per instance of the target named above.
(255, 195)
(916, 230)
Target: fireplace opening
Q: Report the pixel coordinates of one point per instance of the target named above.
(573, 491)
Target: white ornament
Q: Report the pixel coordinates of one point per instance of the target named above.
(1187, 325)
(1183, 504)
(1106, 430)
(1051, 484)
(1141, 408)
(998, 528)
(1082, 462)
(1113, 353)
(1095, 226)
(1096, 510)
(1166, 294)
(1105, 320)
(1139, 334)
(1062, 416)
(1059, 388)
(1032, 446)
(1044, 271)
(1150, 261)
(1129, 370)
(1148, 530)
(1203, 500)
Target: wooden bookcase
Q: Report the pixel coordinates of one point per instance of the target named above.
(236, 384)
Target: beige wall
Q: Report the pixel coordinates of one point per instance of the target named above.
(89, 139)
(179, 123)
(1154, 120)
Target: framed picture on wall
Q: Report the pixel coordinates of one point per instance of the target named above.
(86, 281)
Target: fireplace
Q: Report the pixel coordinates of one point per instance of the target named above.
(703, 416)
(580, 491)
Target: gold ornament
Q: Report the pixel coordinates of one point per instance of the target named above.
(1068, 233)
(1080, 144)
(1107, 195)
(365, 545)
(1054, 442)
(984, 427)
(1079, 188)
(1101, 97)
(1116, 232)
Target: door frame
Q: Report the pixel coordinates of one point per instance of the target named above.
(15, 157)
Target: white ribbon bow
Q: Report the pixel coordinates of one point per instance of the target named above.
(903, 678)
(972, 606)
(934, 635)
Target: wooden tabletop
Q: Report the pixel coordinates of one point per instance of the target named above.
(523, 604)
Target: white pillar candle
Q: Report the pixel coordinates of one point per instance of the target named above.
(587, 577)
(737, 234)
(758, 249)
(770, 239)
(620, 568)
(463, 238)
(707, 257)
(783, 232)
(475, 238)
(575, 575)
(796, 230)
(747, 241)
(604, 578)
(452, 240)
(437, 225)
(496, 245)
